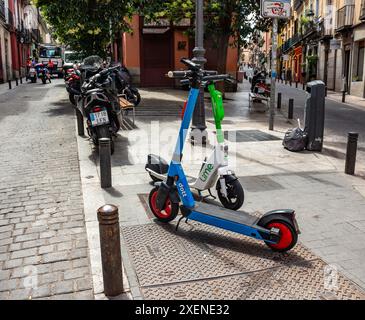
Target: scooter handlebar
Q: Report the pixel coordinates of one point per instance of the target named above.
(219, 77)
(179, 74)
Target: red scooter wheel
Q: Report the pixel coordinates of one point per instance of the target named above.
(288, 236)
(169, 212)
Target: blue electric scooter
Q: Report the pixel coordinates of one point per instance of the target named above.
(278, 228)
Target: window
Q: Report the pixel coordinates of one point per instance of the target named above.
(50, 53)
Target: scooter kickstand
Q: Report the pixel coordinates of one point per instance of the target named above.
(210, 193)
(178, 223)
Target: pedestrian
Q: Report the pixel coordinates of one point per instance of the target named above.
(50, 65)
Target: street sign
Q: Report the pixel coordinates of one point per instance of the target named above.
(280, 9)
(335, 44)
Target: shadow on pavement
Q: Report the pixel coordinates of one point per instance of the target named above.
(207, 238)
(60, 108)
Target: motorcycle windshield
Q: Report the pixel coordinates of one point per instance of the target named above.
(93, 61)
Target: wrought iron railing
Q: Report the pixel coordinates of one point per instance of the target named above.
(345, 17)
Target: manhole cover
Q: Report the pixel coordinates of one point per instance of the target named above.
(248, 136)
(203, 262)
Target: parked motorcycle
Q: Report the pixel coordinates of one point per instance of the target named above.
(32, 75)
(98, 103)
(73, 85)
(43, 73)
(124, 85)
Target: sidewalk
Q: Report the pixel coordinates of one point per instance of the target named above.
(202, 262)
(349, 99)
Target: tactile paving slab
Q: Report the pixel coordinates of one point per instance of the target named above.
(202, 262)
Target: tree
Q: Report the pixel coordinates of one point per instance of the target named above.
(224, 20)
(88, 25)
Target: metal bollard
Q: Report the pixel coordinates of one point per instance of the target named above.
(111, 259)
(16, 82)
(9, 81)
(343, 96)
(105, 163)
(21, 80)
(351, 153)
(279, 101)
(325, 92)
(303, 86)
(80, 123)
(296, 84)
(291, 109)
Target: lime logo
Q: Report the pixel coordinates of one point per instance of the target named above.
(205, 175)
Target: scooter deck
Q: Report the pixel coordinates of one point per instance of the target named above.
(239, 217)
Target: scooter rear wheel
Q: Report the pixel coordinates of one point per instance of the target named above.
(166, 215)
(288, 236)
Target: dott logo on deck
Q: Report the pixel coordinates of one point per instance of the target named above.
(207, 171)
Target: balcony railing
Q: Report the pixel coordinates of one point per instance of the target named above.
(345, 17)
(36, 34)
(362, 10)
(291, 42)
(2, 10)
(326, 32)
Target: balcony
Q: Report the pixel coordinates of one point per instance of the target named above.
(345, 17)
(36, 35)
(296, 38)
(291, 42)
(326, 32)
(27, 37)
(2, 10)
(362, 10)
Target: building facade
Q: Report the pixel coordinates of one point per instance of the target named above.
(324, 39)
(151, 50)
(21, 30)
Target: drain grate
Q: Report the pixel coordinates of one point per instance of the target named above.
(165, 111)
(248, 136)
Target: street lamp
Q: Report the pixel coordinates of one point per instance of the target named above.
(198, 129)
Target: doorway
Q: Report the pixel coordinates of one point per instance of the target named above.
(156, 57)
(346, 71)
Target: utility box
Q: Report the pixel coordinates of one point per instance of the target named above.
(314, 115)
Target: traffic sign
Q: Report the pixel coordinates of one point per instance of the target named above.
(280, 9)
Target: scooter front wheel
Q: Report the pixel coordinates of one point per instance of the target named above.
(288, 236)
(166, 215)
(235, 195)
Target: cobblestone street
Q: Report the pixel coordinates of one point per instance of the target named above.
(43, 243)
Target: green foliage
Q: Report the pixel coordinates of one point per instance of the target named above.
(238, 18)
(86, 25)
